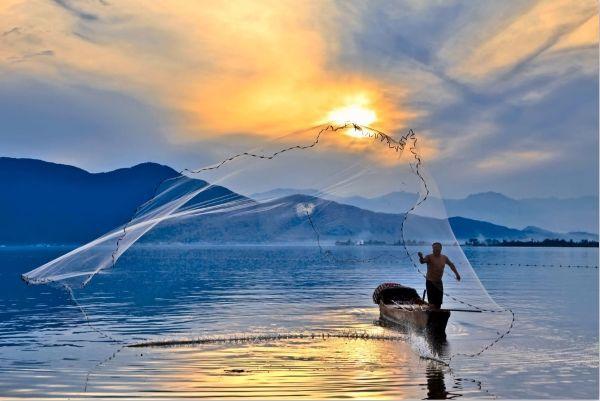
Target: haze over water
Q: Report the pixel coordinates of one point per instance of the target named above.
(47, 350)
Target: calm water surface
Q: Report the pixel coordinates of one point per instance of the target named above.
(48, 350)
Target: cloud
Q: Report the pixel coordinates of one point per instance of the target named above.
(583, 36)
(27, 56)
(76, 11)
(514, 160)
(250, 67)
(528, 36)
(13, 31)
(475, 79)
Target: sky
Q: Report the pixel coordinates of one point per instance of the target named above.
(503, 96)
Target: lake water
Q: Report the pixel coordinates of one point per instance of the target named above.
(47, 349)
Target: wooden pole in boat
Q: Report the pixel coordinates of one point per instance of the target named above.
(462, 310)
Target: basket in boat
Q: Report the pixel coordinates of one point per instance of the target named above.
(396, 293)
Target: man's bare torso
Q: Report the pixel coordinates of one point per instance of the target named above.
(435, 267)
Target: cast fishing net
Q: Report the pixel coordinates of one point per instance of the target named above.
(332, 196)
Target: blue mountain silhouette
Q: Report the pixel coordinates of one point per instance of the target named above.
(49, 203)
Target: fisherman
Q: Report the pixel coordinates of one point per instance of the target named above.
(436, 262)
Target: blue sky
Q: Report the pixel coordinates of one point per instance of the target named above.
(503, 95)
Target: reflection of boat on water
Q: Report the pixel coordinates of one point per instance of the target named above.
(436, 384)
(402, 306)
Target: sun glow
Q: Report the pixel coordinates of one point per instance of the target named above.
(353, 114)
(356, 114)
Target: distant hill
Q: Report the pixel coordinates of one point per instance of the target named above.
(468, 228)
(553, 214)
(279, 221)
(563, 215)
(43, 202)
(50, 203)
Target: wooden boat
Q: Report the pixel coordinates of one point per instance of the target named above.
(402, 306)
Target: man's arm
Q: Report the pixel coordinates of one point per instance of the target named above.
(422, 259)
(453, 268)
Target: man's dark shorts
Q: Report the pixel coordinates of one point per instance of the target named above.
(435, 292)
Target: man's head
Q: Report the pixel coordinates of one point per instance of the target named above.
(437, 248)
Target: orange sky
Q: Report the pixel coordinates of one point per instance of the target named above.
(263, 67)
(234, 67)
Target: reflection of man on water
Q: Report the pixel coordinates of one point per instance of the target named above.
(436, 262)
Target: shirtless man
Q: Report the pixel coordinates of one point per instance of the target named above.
(435, 270)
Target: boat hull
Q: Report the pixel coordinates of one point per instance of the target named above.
(416, 317)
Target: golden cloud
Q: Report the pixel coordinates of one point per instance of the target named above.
(560, 24)
(232, 67)
(586, 35)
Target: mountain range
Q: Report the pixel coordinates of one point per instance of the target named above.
(278, 220)
(48, 203)
(553, 214)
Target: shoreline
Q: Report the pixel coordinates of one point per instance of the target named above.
(512, 244)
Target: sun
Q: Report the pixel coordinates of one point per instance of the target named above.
(354, 113)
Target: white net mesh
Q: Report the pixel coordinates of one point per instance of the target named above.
(303, 189)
